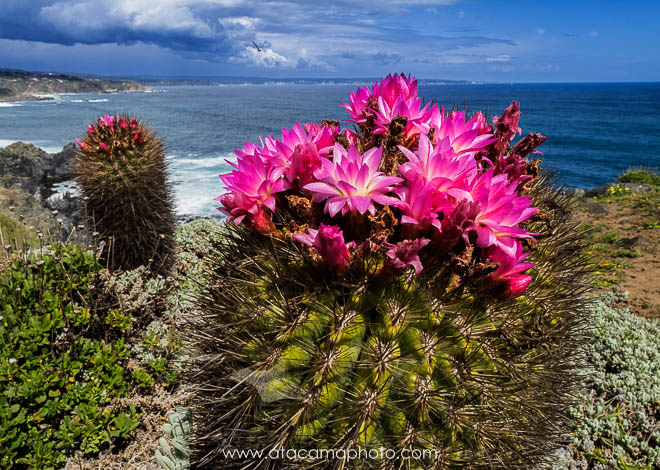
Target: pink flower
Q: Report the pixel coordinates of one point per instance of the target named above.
(501, 210)
(391, 88)
(419, 204)
(455, 225)
(509, 270)
(253, 185)
(300, 150)
(404, 254)
(122, 123)
(514, 166)
(506, 127)
(305, 159)
(351, 136)
(351, 181)
(107, 121)
(440, 166)
(81, 144)
(104, 147)
(528, 144)
(328, 242)
(466, 137)
(411, 109)
(91, 129)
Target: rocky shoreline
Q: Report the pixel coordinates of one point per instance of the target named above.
(17, 85)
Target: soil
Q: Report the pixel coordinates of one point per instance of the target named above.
(631, 260)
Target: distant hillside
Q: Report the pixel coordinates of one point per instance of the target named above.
(17, 85)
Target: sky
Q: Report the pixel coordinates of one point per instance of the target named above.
(487, 41)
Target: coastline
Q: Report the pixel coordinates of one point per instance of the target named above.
(51, 96)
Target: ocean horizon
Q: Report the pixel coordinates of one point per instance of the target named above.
(596, 130)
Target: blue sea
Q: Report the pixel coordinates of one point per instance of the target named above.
(596, 131)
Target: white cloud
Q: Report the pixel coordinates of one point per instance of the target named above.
(244, 22)
(264, 58)
(499, 58)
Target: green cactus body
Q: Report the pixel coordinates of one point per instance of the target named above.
(292, 358)
(121, 168)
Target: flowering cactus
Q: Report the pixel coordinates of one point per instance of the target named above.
(412, 283)
(121, 168)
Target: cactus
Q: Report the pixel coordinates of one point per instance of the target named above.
(175, 456)
(387, 337)
(121, 168)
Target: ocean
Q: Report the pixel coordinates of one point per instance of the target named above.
(596, 131)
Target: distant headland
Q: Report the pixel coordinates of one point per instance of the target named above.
(19, 85)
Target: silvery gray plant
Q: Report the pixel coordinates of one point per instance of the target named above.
(174, 453)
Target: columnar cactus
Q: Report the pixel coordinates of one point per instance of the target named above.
(121, 168)
(405, 295)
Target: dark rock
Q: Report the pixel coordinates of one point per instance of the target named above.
(29, 170)
(32, 169)
(633, 187)
(637, 243)
(63, 163)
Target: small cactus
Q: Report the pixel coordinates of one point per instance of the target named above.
(121, 168)
(175, 456)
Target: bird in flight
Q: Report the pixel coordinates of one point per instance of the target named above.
(259, 48)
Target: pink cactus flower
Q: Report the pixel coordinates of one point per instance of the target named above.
(391, 88)
(253, 184)
(404, 254)
(528, 144)
(107, 121)
(91, 129)
(456, 225)
(359, 105)
(81, 144)
(351, 137)
(104, 147)
(501, 210)
(411, 109)
(466, 137)
(133, 123)
(509, 270)
(300, 150)
(440, 166)
(351, 181)
(328, 242)
(506, 127)
(514, 166)
(419, 204)
(122, 123)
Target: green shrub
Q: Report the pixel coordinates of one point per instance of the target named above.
(640, 177)
(57, 380)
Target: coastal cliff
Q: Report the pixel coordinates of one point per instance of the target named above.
(18, 85)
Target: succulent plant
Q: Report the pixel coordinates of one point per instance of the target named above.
(121, 168)
(406, 306)
(175, 456)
